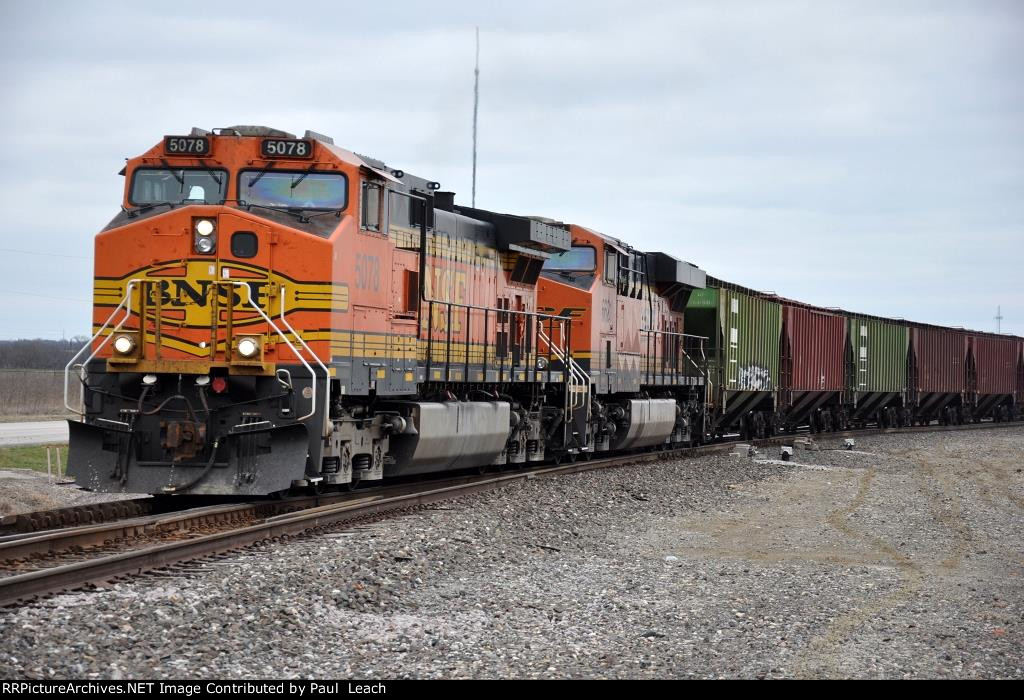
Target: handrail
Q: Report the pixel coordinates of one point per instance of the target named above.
(577, 376)
(477, 307)
(682, 350)
(327, 372)
(270, 322)
(673, 333)
(126, 303)
(446, 314)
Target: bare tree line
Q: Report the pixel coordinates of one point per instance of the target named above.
(38, 353)
(32, 375)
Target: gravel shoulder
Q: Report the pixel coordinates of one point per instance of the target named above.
(902, 558)
(24, 491)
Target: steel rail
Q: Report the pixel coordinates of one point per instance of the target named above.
(24, 545)
(37, 583)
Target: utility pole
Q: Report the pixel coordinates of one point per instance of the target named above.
(476, 102)
(999, 319)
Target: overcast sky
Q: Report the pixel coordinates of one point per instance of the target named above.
(856, 154)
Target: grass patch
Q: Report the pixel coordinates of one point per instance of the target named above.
(32, 457)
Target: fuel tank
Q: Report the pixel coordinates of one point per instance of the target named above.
(449, 435)
(649, 422)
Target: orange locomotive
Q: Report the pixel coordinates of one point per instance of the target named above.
(275, 312)
(647, 376)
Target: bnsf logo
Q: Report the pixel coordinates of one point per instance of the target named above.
(182, 293)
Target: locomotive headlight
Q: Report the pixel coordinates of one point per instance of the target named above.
(124, 344)
(205, 235)
(248, 347)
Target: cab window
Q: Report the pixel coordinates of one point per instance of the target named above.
(576, 259)
(293, 189)
(178, 186)
(371, 198)
(405, 213)
(611, 263)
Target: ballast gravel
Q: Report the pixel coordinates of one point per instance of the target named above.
(901, 558)
(25, 491)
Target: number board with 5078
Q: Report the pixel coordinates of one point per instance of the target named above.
(286, 148)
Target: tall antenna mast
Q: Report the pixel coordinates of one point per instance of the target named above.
(999, 319)
(476, 102)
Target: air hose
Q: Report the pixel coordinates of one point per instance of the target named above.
(202, 475)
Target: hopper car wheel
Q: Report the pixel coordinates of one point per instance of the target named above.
(351, 486)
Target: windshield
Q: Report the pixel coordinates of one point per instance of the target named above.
(155, 186)
(297, 190)
(576, 259)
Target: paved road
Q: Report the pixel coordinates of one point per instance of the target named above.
(33, 433)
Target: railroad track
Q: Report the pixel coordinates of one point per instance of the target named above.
(45, 563)
(77, 515)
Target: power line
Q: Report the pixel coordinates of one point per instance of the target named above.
(46, 255)
(44, 296)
